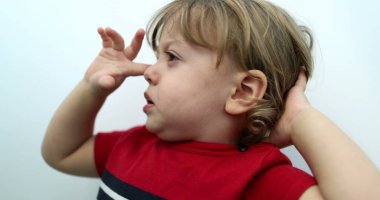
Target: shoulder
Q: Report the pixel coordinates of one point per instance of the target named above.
(277, 178)
(113, 136)
(133, 138)
(108, 145)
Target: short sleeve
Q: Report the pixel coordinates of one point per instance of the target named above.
(280, 182)
(104, 143)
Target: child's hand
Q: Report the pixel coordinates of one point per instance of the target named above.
(296, 103)
(114, 63)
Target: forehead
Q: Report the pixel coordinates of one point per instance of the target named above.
(172, 35)
(199, 23)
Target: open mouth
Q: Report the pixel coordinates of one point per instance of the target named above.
(149, 103)
(148, 100)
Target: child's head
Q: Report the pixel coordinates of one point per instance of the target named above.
(256, 34)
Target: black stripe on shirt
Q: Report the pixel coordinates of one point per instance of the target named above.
(103, 196)
(123, 189)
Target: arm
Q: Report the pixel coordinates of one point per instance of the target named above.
(342, 170)
(68, 143)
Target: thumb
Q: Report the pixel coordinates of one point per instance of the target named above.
(302, 80)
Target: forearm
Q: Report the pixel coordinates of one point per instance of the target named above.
(342, 170)
(72, 124)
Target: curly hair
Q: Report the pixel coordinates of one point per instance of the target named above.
(257, 34)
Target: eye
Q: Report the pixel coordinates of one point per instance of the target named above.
(171, 56)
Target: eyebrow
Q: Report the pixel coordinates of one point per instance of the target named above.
(170, 43)
(166, 45)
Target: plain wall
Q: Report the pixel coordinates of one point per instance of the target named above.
(46, 46)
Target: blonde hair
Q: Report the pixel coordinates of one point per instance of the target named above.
(257, 34)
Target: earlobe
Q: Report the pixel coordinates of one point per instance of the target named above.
(251, 87)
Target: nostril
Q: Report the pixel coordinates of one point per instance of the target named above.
(146, 76)
(151, 75)
(148, 80)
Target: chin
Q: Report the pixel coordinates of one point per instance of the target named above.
(153, 128)
(168, 138)
(166, 135)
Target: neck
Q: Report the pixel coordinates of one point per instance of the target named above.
(225, 131)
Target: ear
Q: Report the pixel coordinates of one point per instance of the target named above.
(251, 87)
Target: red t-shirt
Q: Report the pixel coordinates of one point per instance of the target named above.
(135, 164)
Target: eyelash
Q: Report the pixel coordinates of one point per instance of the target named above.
(171, 56)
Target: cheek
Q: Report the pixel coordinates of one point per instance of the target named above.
(191, 96)
(193, 91)
(173, 96)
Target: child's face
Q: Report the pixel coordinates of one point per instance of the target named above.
(187, 91)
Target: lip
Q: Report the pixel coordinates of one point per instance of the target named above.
(148, 99)
(149, 103)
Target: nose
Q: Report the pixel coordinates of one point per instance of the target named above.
(151, 75)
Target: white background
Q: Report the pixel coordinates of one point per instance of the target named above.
(46, 46)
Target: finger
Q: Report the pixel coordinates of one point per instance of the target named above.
(133, 49)
(271, 140)
(302, 79)
(107, 42)
(136, 69)
(117, 39)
